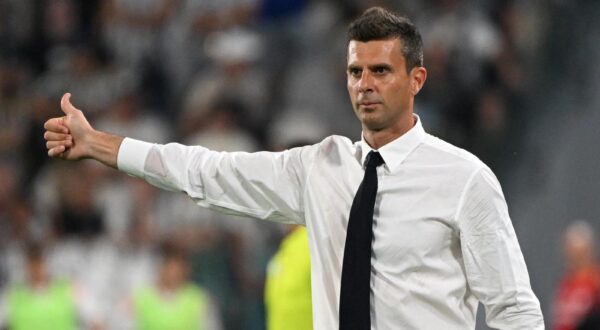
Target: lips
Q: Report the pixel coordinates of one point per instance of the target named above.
(368, 103)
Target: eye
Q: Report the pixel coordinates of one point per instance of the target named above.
(381, 70)
(355, 72)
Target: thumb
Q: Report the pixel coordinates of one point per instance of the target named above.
(66, 106)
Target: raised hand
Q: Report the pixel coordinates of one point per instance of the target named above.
(66, 136)
(72, 137)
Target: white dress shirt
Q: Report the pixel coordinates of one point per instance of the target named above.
(442, 235)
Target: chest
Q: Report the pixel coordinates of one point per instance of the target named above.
(413, 213)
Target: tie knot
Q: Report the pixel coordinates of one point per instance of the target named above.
(374, 159)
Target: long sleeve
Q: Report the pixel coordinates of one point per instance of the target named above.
(264, 185)
(496, 270)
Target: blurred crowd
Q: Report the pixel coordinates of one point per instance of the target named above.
(231, 75)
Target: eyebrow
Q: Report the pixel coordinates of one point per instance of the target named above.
(371, 67)
(380, 66)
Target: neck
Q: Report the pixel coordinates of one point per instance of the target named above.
(166, 287)
(378, 138)
(38, 284)
(583, 265)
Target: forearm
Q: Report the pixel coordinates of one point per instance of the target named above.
(104, 147)
(260, 185)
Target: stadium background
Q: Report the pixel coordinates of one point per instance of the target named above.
(514, 82)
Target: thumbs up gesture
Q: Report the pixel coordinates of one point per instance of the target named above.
(67, 136)
(71, 137)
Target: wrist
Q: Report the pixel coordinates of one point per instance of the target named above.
(103, 147)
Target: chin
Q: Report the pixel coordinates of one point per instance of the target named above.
(373, 124)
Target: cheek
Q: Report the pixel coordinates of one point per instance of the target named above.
(352, 91)
(350, 85)
(397, 93)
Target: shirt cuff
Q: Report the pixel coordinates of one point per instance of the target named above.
(132, 155)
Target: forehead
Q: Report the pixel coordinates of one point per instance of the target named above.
(375, 51)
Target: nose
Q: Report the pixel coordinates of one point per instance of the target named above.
(365, 84)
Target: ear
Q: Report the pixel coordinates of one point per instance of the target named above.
(418, 75)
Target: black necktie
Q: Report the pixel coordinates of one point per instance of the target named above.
(355, 306)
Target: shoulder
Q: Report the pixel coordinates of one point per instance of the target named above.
(336, 140)
(447, 164)
(336, 144)
(330, 147)
(440, 152)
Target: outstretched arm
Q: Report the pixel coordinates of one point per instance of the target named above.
(262, 185)
(71, 137)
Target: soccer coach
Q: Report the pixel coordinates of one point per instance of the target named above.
(405, 230)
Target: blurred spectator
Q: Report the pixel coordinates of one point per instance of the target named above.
(184, 43)
(579, 289)
(77, 215)
(132, 28)
(40, 107)
(83, 68)
(235, 78)
(173, 302)
(13, 108)
(41, 301)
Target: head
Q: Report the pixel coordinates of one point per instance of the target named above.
(385, 69)
(174, 268)
(578, 245)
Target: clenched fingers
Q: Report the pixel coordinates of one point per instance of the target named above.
(52, 136)
(56, 125)
(54, 144)
(56, 151)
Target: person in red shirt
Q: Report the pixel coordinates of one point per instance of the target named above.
(578, 292)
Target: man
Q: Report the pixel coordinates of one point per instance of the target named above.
(427, 230)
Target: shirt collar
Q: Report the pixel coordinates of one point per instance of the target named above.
(396, 151)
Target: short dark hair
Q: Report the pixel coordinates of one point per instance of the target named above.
(377, 23)
(173, 250)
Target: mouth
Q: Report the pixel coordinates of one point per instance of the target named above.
(368, 104)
